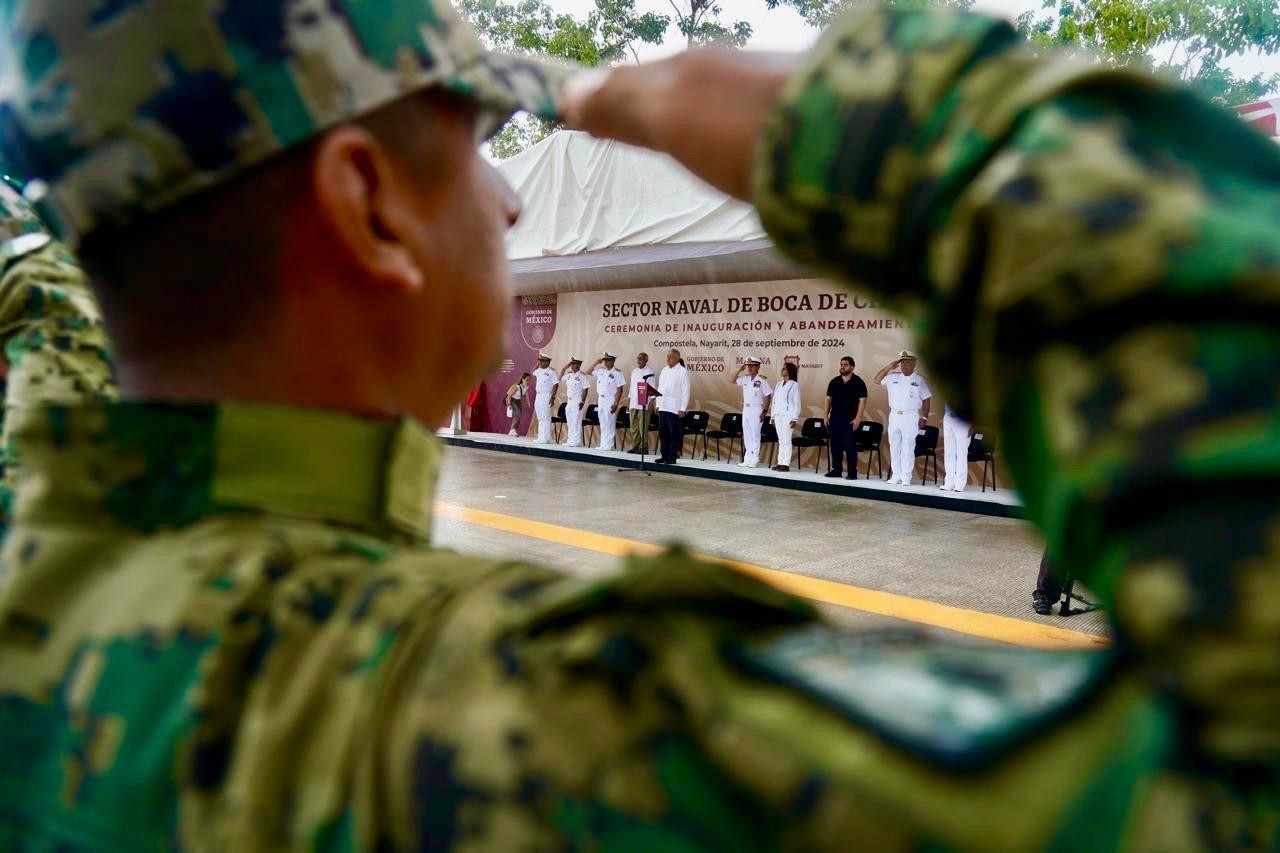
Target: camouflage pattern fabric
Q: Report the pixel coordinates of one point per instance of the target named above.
(197, 93)
(55, 348)
(222, 629)
(1100, 279)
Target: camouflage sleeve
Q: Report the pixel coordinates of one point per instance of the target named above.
(55, 347)
(682, 706)
(1094, 256)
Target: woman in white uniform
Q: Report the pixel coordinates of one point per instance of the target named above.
(785, 413)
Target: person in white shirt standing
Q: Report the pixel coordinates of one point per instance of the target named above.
(641, 375)
(673, 386)
(785, 413)
(908, 413)
(545, 383)
(610, 383)
(955, 446)
(755, 403)
(576, 387)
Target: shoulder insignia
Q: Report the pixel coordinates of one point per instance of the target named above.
(955, 705)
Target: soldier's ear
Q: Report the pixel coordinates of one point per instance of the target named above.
(362, 206)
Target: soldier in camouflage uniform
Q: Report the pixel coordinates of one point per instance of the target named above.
(55, 349)
(229, 630)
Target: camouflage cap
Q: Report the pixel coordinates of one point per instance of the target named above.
(122, 108)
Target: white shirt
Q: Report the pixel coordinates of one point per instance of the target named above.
(517, 393)
(906, 393)
(607, 384)
(641, 375)
(673, 385)
(754, 391)
(545, 379)
(575, 386)
(786, 401)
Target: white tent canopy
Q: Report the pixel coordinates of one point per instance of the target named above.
(583, 194)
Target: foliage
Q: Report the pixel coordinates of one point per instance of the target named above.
(1190, 39)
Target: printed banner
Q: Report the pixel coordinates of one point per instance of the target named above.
(812, 323)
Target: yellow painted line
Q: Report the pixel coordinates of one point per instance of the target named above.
(976, 623)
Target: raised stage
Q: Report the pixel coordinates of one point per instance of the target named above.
(1002, 502)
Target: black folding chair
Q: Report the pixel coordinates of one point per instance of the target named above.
(869, 439)
(927, 446)
(590, 421)
(730, 428)
(558, 420)
(768, 436)
(622, 426)
(813, 433)
(982, 448)
(695, 424)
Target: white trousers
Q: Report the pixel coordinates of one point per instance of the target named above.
(608, 427)
(903, 430)
(573, 414)
(783, 426)
(751, 424)
(542, 408)
(955, 438)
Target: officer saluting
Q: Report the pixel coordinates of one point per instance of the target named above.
(908, 413)
(546, 381)
(755, 406)
(576, 386)
(610, 383)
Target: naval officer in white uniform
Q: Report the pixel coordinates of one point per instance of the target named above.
(755, 403)
(956, 434)
(610, 383)
(576, 386)
(545, 383)
(908, 413)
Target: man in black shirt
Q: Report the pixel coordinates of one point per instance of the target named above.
(846, 402)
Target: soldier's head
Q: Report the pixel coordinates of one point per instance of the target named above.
(673, 357)
(274, 192)
(907, 362)
(846, 365)
(642, 359)
(610, 360)
(753, 367)
(544, 361)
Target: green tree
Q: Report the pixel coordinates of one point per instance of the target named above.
(1190, 39)
(608, 34)
(699, 21)
(819, 13)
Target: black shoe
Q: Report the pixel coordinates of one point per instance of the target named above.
(833, 473)
(852, 477)
(1041, 603)
(782, 467)
(634, 450)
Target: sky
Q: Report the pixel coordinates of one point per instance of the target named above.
(783, 29)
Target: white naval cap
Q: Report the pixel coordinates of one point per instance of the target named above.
(751, 359)
(543, 355)
(608, 354)
(575, 361)
(907, 354)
